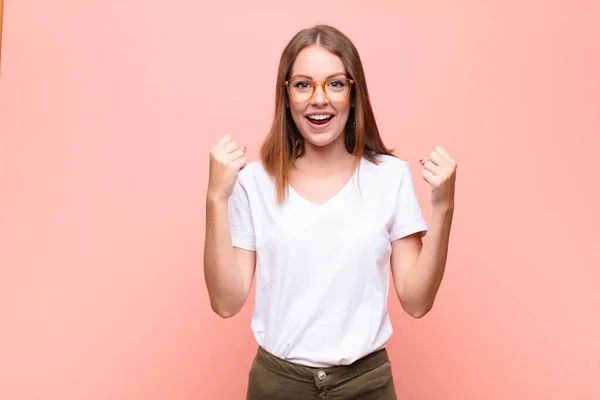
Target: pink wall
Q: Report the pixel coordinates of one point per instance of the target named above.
(107, 113)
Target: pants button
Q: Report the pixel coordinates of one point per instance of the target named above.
(321, 375)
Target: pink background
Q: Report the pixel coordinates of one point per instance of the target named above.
(107, 113)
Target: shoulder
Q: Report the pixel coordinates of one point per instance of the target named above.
(386, 161)
(252, 171)
(254, 178)
(387, 167)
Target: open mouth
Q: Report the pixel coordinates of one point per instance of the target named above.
(319, 119)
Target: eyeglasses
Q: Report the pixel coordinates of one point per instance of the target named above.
(303, 89)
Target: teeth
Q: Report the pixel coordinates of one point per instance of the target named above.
(319, 117)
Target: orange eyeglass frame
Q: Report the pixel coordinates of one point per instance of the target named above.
(319, 83)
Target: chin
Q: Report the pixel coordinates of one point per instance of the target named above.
(322, 139)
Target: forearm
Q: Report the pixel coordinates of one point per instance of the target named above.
(423, 279)
(223, 277)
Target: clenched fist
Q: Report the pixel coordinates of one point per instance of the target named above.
(440, 172)
(226, 160)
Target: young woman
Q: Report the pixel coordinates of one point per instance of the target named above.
(325, 214)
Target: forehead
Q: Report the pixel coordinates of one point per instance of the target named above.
(317, 63)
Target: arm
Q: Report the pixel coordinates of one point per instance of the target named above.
(228, 271)
(418, 268)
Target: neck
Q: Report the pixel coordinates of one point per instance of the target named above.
(325, 158)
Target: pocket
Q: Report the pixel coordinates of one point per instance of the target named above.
(255, 377)
(375, 384)
(268, 384)
(264, 384)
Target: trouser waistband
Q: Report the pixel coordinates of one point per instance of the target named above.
(306, 373)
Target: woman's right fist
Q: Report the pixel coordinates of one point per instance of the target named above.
(226, 160)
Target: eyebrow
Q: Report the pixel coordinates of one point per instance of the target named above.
(310, 77)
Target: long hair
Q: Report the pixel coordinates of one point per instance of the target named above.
(284, 143)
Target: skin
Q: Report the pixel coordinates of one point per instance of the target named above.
(417, 267)
(228, 271)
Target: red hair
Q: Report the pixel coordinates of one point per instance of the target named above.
(284, 143)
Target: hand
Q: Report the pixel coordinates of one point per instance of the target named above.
(440, 172)
(226, 160)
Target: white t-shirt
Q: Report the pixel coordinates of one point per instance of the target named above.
(323, 271)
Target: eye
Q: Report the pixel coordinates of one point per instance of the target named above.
(337, 84)
(302, 85)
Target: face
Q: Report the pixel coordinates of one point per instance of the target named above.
(322, 118)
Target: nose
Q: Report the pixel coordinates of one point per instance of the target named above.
(319, 96)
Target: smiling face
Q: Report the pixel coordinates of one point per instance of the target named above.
(321, 119)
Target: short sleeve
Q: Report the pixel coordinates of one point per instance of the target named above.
(408, 217)
(240, 218)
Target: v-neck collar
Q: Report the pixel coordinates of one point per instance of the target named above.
(333, 198)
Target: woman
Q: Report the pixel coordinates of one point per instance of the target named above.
(325, 214)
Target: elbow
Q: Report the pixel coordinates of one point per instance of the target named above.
(225, 314)
(419, 313)
(223, 311)
(416, 304)
(417, 310)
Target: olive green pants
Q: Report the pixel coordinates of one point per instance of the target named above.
(369, 378)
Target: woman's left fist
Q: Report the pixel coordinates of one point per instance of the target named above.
(439, 170)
